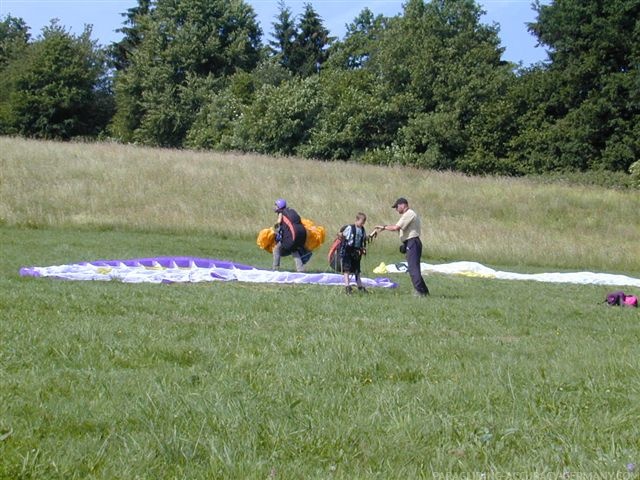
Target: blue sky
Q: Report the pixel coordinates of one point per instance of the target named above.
(105, 16)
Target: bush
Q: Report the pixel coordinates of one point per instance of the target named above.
(278, 122)
(634, 170)
(213, 125)
(355, 116)
(596, 178)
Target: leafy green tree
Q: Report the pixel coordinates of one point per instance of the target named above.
(492, 125)
(57, 88)
(360, 40)
(442, 56)
(280, 119)
(216, 120)
(187, 48)
(355, 116)
(420, 89)
(14, 39)
(588, 118)
(213, 125)
(212, 128)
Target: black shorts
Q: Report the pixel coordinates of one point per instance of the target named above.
(351, 262)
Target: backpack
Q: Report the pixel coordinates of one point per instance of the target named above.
(340, 245)
(620, 298)
(631, 301)
(615, 298)
(334, 251)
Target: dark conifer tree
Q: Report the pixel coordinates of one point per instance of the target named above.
(284, 36)
(312, 42)
(121, 51)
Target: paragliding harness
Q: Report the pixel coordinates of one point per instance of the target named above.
(340, 244)
(305, 255)
(335, 262)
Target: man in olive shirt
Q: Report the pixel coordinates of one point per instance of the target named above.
(408, 228)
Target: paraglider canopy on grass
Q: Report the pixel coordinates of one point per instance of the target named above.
(185, 269)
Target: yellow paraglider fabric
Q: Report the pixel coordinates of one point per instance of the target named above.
(316, 235)
(266, 239)
(382, 268)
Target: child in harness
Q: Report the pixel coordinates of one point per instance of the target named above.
(352, 247)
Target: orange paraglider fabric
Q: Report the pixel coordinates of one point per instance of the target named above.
(266, 239)
(316, 235)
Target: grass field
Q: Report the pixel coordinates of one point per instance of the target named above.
(501, 221)
(484, 379)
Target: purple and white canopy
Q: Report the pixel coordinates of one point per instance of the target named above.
(186, 269)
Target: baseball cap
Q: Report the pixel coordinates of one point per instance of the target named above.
(399, 201)
(280, 204)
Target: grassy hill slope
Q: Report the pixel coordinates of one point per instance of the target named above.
(501, 221)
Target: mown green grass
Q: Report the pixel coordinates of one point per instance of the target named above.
(230, 380)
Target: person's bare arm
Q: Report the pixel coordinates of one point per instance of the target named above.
(391, 228)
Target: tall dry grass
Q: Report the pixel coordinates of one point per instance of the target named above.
(500, 221)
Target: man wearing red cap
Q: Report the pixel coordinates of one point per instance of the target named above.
(408, 228)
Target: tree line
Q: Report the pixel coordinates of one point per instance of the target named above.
(426, 88)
